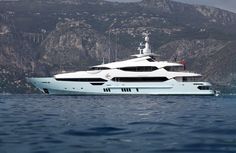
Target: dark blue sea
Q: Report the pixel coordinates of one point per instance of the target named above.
(117, 124)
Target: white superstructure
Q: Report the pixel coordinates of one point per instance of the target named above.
(140, 75)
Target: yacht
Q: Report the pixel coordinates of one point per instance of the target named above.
(141, 75)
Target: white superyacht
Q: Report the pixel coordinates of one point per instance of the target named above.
(141, 75)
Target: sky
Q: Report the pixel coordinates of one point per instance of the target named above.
(229, 5)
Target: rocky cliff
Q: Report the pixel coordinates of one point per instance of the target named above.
(44, 37)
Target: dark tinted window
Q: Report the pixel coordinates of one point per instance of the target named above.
(191, 79)
(99, 68)
(97, 83)
(151, 60)
(125, 89)
(188, 79)
(106, 89)
(139, 68)
(82, 79)
(174, 68)
(140, 79)
(204, 87)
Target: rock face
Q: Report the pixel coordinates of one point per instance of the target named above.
(160, 5)
(42, 38)
(73, 43)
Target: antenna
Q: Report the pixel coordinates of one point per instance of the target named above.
(116, 47)
(109, 46)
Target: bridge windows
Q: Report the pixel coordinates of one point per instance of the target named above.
(139, 68)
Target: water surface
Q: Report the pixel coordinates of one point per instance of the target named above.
(104, 124)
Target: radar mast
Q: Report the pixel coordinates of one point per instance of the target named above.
(147, 50)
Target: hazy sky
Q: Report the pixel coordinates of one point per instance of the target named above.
(224, 4)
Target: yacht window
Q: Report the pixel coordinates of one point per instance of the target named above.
(151, 60)
(99, 68)
(125, 89)
(174, 68)
(188, 79)
(140, 79)
(204, 88)
(97, 84)
(82, 79)
(191, 79)
(106, 90)
(139, 68)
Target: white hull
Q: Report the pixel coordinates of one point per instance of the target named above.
(170, 87)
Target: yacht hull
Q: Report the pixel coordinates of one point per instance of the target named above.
(171, 87)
